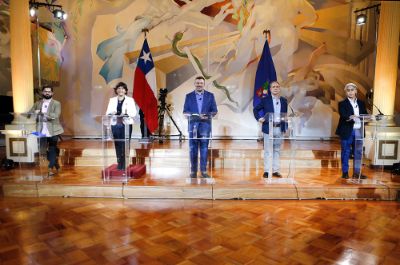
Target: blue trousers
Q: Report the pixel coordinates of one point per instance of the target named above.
(355, 140)
(200, 130)
(195, 145)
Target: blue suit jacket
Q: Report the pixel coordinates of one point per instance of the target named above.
(266, 106)
(209, 107)
(345, 126)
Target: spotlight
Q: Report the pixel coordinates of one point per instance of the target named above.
(60, 14)
(361, 19)
(32, 11)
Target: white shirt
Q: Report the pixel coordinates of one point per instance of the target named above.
(276, 101)
(45, 108)
(356, 110)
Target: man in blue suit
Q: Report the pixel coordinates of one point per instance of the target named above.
(199, 107)
(350, 131)
(276, 105)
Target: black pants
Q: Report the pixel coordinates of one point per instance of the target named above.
(118, 132)
(49, 145)
(142, 123)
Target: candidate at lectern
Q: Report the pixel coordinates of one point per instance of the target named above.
(123, 109)
(49, 112)
(199, 107)
(349, 129)
(276, 105)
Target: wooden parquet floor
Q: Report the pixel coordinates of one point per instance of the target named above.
(103, 231)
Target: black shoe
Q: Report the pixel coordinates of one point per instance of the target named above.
(193, 175)
(205, 175)
(265, 175)
(345, 175)
(359, 176)
(277, 174)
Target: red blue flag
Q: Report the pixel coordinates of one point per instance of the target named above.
(145, 87)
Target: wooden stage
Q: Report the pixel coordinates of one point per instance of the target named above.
(237, 169)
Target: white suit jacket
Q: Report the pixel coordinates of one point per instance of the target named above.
(128, 107)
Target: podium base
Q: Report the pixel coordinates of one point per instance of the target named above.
(132, 172)
(200, 181)
(279, 181)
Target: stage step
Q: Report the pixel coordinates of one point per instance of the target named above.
(217, 162)
(234, 158)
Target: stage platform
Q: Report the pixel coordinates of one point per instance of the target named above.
(237, 169)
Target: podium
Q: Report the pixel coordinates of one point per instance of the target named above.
(27, 146)
(116, 131)
(377, 146)
(280, 148)
(200, 154)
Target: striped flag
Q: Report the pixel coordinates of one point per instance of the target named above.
(145, 87)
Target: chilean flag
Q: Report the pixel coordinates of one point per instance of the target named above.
(145, 88)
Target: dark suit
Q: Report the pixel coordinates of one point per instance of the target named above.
(349, 136)
(199, 128)
(266, 106)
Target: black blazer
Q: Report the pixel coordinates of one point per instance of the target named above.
(345, 126)
(266, 105)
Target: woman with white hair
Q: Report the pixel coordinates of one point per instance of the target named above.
(350, 130)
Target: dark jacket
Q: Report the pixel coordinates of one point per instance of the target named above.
(266, 106)
(345, 126)
(209, 107)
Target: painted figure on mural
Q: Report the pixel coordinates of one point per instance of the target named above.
(48, 112)
(121, 109)
(200, 108)
(276, 106)
(351, 131)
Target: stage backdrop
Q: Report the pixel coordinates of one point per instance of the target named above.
(315, 45)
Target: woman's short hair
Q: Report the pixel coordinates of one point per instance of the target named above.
(123, 85)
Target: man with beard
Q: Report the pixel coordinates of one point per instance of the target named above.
(199, 107)
(48, 125)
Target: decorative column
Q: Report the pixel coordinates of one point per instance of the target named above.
(386, 57)
(382, 138)
(21, 145)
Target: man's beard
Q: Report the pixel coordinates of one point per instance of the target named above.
(47, 96)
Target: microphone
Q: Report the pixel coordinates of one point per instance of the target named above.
(292, 111)
(380, 112)
(369, 96)
(372, 103)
